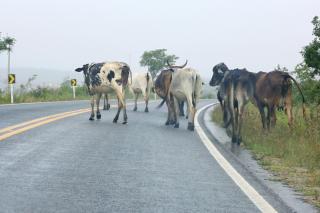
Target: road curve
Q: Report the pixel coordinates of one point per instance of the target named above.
(74, 165)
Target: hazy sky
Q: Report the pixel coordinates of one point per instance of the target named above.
(256, 34)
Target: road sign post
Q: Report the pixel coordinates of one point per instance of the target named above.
(74, 84)
(11, 81)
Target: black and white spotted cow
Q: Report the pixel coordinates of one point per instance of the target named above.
(104, 78)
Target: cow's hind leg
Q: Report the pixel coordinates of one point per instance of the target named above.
(106, 105)
(136, 95)
(98, 105)
(169, 116)
(181, 105)
(146, 99)
(115, 120)
(176, 112)
(92, 109)
(191, 112)
(125, 117)
(263, 115)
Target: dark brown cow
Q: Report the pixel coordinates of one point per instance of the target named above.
(238, 89)
(272, 90)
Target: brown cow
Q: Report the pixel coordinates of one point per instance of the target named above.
(272, 90)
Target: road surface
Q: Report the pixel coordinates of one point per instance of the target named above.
(75, 165)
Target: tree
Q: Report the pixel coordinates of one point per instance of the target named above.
(279, 68)
(9, 42)
(311, 52)
(2, 45)
(156, 60)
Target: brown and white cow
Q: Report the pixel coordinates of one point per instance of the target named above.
(104, 78)
(186, 85)
(161, 86)
(141, 84)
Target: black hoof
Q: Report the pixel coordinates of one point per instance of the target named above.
(181, 114)
(190, 127)
(167, 123)
(234, 139)
(91, 118)
(176, 125)
(115, 120)
(135, 109)
(124, 122)
(146, 109)
(187, 117)
(172, 122)
(99, 116)
(108, 106)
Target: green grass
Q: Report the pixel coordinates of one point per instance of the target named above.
(292, 154)
(43, 94)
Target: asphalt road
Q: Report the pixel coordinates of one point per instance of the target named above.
(77, 165)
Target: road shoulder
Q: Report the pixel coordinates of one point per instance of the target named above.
(282, 198)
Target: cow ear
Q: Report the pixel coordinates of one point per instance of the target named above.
(79, 69)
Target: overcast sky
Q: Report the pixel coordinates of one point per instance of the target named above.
(62, 35)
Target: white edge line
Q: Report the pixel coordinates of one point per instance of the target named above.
(252, 194)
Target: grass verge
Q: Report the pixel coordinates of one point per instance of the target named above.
(292, 155)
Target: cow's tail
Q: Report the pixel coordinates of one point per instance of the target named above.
(165, 97)
(148, 79)
(299, 88)
(161, 104)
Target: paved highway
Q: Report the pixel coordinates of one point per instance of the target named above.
(75, 165)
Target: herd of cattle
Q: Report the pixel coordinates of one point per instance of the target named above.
(177, 85)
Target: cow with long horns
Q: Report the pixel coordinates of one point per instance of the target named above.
(161, 86)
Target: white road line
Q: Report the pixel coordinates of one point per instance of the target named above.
(252, 194)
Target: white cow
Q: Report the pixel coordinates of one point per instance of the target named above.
(186, 85)
(141, 84)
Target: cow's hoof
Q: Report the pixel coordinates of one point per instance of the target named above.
(234, 139)
(172, 122)
(187, 117)
(167, 123)
(124, 122)
(91, 118)
(135, 109)
(146, 109)
(99, 116)
(176, 125)
(108, 106)
(190, 127)
(115, 120)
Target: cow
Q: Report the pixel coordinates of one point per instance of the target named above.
(141, 84)
(186, 85)
(161, 87)
(106, 77)
(236, 90)
(272, 90)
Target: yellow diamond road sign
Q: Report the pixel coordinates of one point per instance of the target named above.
(11, 78)
(73, 82)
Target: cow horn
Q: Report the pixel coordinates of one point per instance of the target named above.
(185, 64)
(171, 66)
